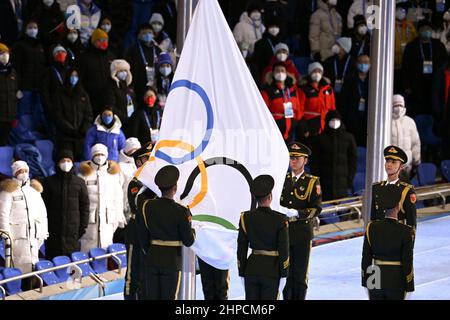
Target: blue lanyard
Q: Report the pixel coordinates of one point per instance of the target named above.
(166, 85)
(170, 10)
(361, 49)
(158, 119)
(345, 68)
(143, 55)
(288, 95)
(431, 51)
(271, 45)
(71, 53)
(58, 75)
(360, 83)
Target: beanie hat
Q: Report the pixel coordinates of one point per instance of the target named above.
(157, 17)
(98, 34)
(164, 58)
(345, 43)
(313, 66)
(359, 20)
(398, 100)
(3, 48)
(423, 23)
(57, 49)
(254, 6)
(99, 149)
(18, 165)
(65, 154)
(130, 144)
(281, 46)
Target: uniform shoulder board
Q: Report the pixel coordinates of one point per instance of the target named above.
(182, 206)
(311, 176)
(377, 183)
(404, 184)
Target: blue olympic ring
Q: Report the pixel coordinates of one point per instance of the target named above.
(209, 125)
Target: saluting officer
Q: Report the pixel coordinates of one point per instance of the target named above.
(134, 283)
(164, 228)
(302, 195)
(266, 232)
(396, 159)
(388, 248)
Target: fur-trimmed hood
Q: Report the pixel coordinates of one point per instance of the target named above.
(87, 168)
(11, 185)
(118, 65)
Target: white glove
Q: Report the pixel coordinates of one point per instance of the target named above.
(289, 212)
(281, 287)
(19, 94)
(242, 282)
(408, 295)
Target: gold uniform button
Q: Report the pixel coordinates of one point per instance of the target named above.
(292, 193)
(290, 202)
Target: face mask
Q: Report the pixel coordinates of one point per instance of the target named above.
(255, 16)
(336, 49)
(88, 2)
(363, 67)
(99, 160)
(447, 16)
(74, 80)
(23, 177)
(32, 32)
(426, 34)
(274, 31)
(398, 112)
(72, 37)
(60, 57)
(66, 166)
(106, 28)
(362, 30)
(244, 53)
(157, 27)
(103, 45)
(48, 3)
(148, 37)
(281, 76)
(332, 3)
(4, 58)
(107, 120)
(122, 75)
(400, 15)
(282, 57)
(150, 101)
(335, 124)
(165, 71)
(316, 77)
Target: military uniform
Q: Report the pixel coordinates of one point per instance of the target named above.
(303, 195)
(215, 282)
(164, 226)
(265, 231)
(388, 244)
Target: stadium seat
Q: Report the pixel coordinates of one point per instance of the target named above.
(359, 183)
(6, 159)
(329, 218)
(42, 251)
(85, 267)
(425, 125)
(427, 174)
(415, 182)
(445, 169)
(12, 287)
(27, 122)
(77, 167)
(361, 164)
(49, 278)
(46, 149)
(62, 274)
(99, 266)
(116, 247)
(1, 278)
(2, 249)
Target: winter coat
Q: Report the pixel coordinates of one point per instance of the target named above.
(105, 204)
(112, 137)
(140, 128)
(74, 51)
(54, 82)
(324, 31)
(360, 45)
(67, 201)
(263, 53)
(291, 69)
(24, 216)
(8, 90)
(50, 21)
(127, 171)
(120, 97)
(404, 34)
(246, 32)
(89, 20)
(334, 159)
(359, 7)
(333, 63)
(404, 134)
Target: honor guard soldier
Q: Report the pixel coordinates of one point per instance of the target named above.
(396, 159)
(387, 258)
(164, 228)
(134, 283)
(302, 197)
(265, 231)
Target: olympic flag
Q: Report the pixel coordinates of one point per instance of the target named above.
(218, 131)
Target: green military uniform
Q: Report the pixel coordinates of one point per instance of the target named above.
(303, 195)
(388, 244)
(265, 231)
(164, 226)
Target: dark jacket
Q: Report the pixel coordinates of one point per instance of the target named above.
(140, 128)
(50, 21)
(117, 97)
(8, 90)
(168, 9)
(360, 45)
(332, 63)
(8, 22)
(263, 53)
(74, 51)
(334, 158)
(67, 201)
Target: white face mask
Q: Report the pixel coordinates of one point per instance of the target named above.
(4, 58)
(332, 3)
(334, 124)
(362, 30)
(255, 16)
(400, 15)
(48, 3)
(99, 160)
(24, 177)
(398, 112)
(336, 49)
(280, 76)
(316, 76)
(72, 37)
(245, 53)
(282, 57)
(447, 16)
(106, 27)
(157, 27)
(274, 31)
(165, 71)
(66, 166)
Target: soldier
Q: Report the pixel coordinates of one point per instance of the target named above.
(165, 226)
(396, 159)
(133, 278)
(266, 232)
(302, 197)
(388, 248)
(215, 282)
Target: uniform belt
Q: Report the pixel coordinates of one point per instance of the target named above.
(297, 219)
(387, 263)
(167, 243)
(266, 253)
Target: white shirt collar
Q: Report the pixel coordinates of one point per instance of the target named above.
(392, 182)
(299, 175)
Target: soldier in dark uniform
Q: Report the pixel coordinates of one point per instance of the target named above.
(396, 158)
(215, 282)
(266, 232)
(164, 227)
(133, 278)
(388, 248)
(303, 197)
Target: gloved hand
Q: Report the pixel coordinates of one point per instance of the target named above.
(281, 287)
(408, 295)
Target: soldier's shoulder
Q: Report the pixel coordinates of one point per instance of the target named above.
(134, 186)
(311, 177)
(181, 207)
(406, 185)
(279, 214)
(377, 184)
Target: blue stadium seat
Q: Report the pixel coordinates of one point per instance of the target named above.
(445, 169)
(427, 174)
(2, 249)
(42, 251)
(6, 159)
(99, 266)
(415, 182)
(425, 125)
(362, 156)
(116, 247)
(329, 218)
(1, 278)
(85, 267)
(302, 64)
(13, 287)
(77, 167)
(62, 274)
(27, 122)
(46, 149)
(49, 278)
(359, 183)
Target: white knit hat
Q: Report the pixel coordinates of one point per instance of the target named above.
(16, 166)
(398, 100)
(57, 49)
(313, 66)
(157, 17)
(99, 149)
(281, 46)
(130, 144)
(345, 43)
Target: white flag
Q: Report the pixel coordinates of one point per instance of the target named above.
(220, 134)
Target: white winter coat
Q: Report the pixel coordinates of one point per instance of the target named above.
(325, 27)
(406, 136)
(357, 8)
(245, 31)
(23, 215)
(127, 170)
(106, 204)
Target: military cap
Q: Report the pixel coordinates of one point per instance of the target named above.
(145, 151)
(395, 153)
(297, 149)
(389, 197)
(262, 186)
(167, 177)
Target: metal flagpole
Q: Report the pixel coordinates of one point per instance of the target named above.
(380, 96)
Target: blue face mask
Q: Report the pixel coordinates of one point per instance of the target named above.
(107, 119)
(363, 67)
(32, 32)
(426, 34)
(122, 75)
(74, 80)
(148, 37)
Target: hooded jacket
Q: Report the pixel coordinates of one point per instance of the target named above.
(246, 31)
